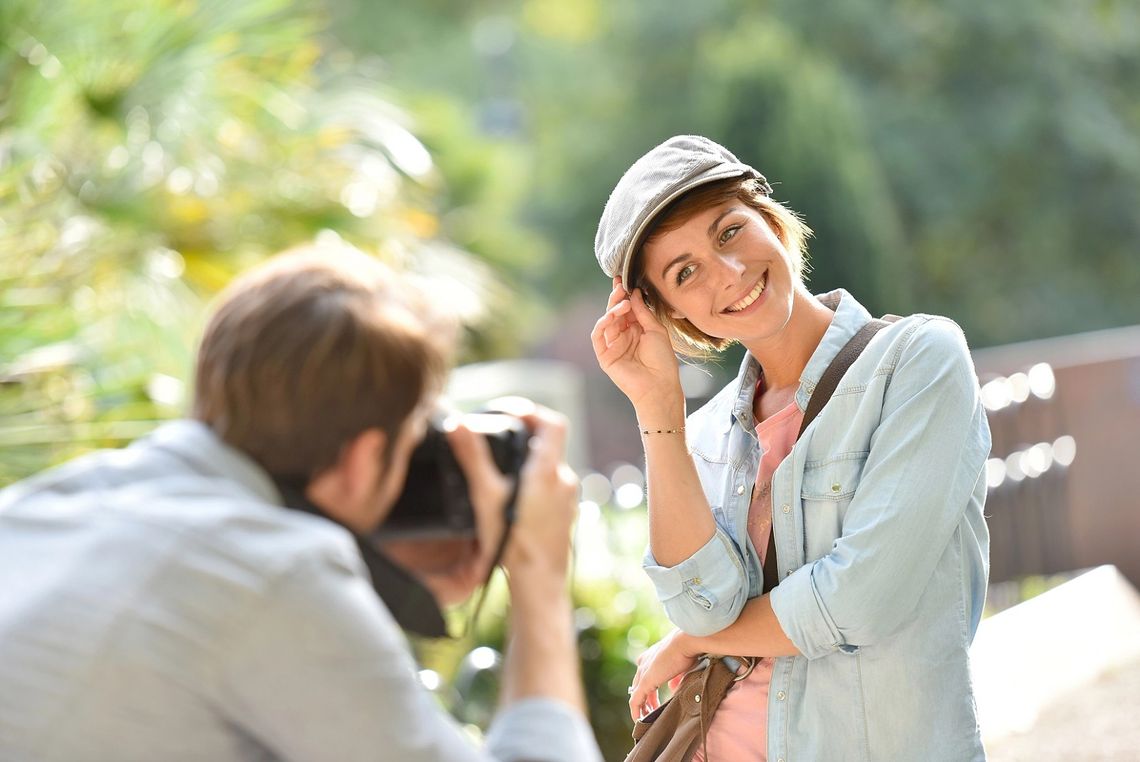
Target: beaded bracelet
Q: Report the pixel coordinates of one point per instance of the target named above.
(664, 431)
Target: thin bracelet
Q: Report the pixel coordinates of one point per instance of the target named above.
(664, 431)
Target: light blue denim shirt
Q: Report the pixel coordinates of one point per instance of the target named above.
(882, 547)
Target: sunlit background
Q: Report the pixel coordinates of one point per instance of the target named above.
(969, 158)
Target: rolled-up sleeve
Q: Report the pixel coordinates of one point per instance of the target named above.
(704, 593)
(925, 460)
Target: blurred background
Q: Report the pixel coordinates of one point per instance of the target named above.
(974, 159)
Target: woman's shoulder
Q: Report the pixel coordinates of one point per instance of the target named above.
(925, 334)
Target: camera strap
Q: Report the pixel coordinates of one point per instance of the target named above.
(510, 511)
(411, 604)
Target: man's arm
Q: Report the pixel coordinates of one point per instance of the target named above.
(321, 671)
(542, 656)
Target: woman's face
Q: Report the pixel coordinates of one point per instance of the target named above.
(725, 271)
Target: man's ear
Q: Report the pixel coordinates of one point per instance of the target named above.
(361, 464)
(346, 490)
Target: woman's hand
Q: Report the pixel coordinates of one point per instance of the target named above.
(634, 350)
(668, 658)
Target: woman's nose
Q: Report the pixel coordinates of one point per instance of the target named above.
(731, 269)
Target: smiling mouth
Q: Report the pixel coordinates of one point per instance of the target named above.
(752, 296)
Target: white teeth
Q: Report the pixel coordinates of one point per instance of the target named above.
(753, 296)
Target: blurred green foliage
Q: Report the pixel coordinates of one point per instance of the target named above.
(150, 151)
(974, 159)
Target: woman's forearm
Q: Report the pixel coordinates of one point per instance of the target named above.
(756, 632)
(680, 522)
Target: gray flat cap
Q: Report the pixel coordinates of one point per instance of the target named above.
(654, 181)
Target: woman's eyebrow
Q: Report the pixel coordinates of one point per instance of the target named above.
(672, 262)
(721, 216)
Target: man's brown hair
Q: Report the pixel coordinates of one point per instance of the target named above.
(311, 348)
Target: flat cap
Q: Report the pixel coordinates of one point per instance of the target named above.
(658, 178)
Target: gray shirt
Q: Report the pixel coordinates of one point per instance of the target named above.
(158, 603)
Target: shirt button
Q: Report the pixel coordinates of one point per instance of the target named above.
(740, 489)
(788, 573)
(781, 759)
(781, 695)
(786, 508)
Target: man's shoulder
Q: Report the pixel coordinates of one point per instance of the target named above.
(134, 500)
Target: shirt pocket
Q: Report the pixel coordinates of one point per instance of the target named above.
(826, 492)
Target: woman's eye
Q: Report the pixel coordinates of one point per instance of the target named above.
(728, 233)
(684, 273)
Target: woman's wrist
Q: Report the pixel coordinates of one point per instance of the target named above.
(664, 416)
(686, 644)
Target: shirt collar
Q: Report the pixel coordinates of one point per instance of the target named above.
(196, 443)
(412, 605)
(850, 316)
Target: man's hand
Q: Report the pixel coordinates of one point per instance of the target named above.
(540, 538)
(547, 500)
(453, 568)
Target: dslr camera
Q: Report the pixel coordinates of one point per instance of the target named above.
(435, 502)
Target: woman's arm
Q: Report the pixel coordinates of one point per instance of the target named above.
(634, 350)
(756, 632)
(695, 567)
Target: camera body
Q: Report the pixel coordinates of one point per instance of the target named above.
(435, 502)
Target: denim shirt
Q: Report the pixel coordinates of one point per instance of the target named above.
(882, 548)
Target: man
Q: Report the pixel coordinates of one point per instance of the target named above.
(205, 593)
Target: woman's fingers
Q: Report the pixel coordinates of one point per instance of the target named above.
(614, 330)
(656, 667)
(643, 694)
(617, 294)
(623, 347)
(642, 700)
(640, 312)
(638, 703)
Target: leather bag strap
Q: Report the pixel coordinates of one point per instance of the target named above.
(820, 396)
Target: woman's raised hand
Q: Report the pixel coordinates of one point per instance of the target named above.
(634, 350)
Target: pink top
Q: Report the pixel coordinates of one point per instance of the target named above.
(739, 729)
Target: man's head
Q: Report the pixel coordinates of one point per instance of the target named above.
(320, 365)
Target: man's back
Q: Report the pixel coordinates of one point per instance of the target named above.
(157, 604)
(127, 575)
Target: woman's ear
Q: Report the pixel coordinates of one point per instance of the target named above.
(652, 299)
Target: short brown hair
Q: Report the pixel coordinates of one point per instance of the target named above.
(311, 348)
(686, 338)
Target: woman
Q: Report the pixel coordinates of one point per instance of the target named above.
(874, 513)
